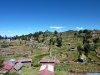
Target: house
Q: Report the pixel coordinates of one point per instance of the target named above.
(46, 69)
(15, 65)
(16, 68)
(82, 58)
(25, 61)
(11, 67)
(7, 67)
(8, 40)
(68, 44)
(73, 48)
(49, 61)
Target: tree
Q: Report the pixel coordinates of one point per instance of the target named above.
(43, 40)
(37, 39)
(85, 40)
(96, 40)
(0, 37)
(50, 41)
(86, 48)
(80, 32)
(59, 42)
(79, 48)
(55, 33)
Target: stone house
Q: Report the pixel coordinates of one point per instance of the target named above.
(25, 61)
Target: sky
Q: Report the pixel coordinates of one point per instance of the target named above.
(18, 17)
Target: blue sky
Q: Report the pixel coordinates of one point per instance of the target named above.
(19, 17)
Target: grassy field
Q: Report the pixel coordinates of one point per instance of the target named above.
(30, 71)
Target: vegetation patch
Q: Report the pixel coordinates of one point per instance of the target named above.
(41, 56)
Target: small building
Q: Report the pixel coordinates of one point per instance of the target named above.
(68, 44)
(26, 62)
(7, 66)
(46, 69)
(82, 58)
(17, 68)
(8, 40)
(73, 48)
(49, 61)
(15, 65)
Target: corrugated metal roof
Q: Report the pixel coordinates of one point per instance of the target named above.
(49, 61)
(8, 65)
(18, 66)
(24, 60)
(46, 69)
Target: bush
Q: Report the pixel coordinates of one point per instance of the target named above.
(11, 45)
(4, 45)
(35, 65)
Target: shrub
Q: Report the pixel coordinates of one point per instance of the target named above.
(4, 45)
(35, 65)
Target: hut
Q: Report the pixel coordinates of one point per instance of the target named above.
(82, 58)
(73, 48)
(25, 61)
(7, 66)
(49, 61)
(17, 68)
(46, 69)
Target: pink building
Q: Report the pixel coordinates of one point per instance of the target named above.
(46, 69)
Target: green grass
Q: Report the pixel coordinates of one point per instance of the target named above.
(59, 73)
(75, 55)
(41, 55)
(30, 71)
(92, 55)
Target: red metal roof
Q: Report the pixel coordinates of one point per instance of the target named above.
(49, 61)
(7, 65)
(24, 60)
(46, 69)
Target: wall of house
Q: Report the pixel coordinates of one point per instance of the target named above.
(27, 64)
(3, 71)
(16, 71)
(12, 70)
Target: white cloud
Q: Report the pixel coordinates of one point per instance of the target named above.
(29, 28)
(9, 30)
(79, 28)
(56, 27)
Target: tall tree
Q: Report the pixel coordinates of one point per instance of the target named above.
(86, 48)
(55, 33)
(79, 48)
(59, 42)
(0, 37)
(95, 40)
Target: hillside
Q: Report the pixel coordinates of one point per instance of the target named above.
(66, 46)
